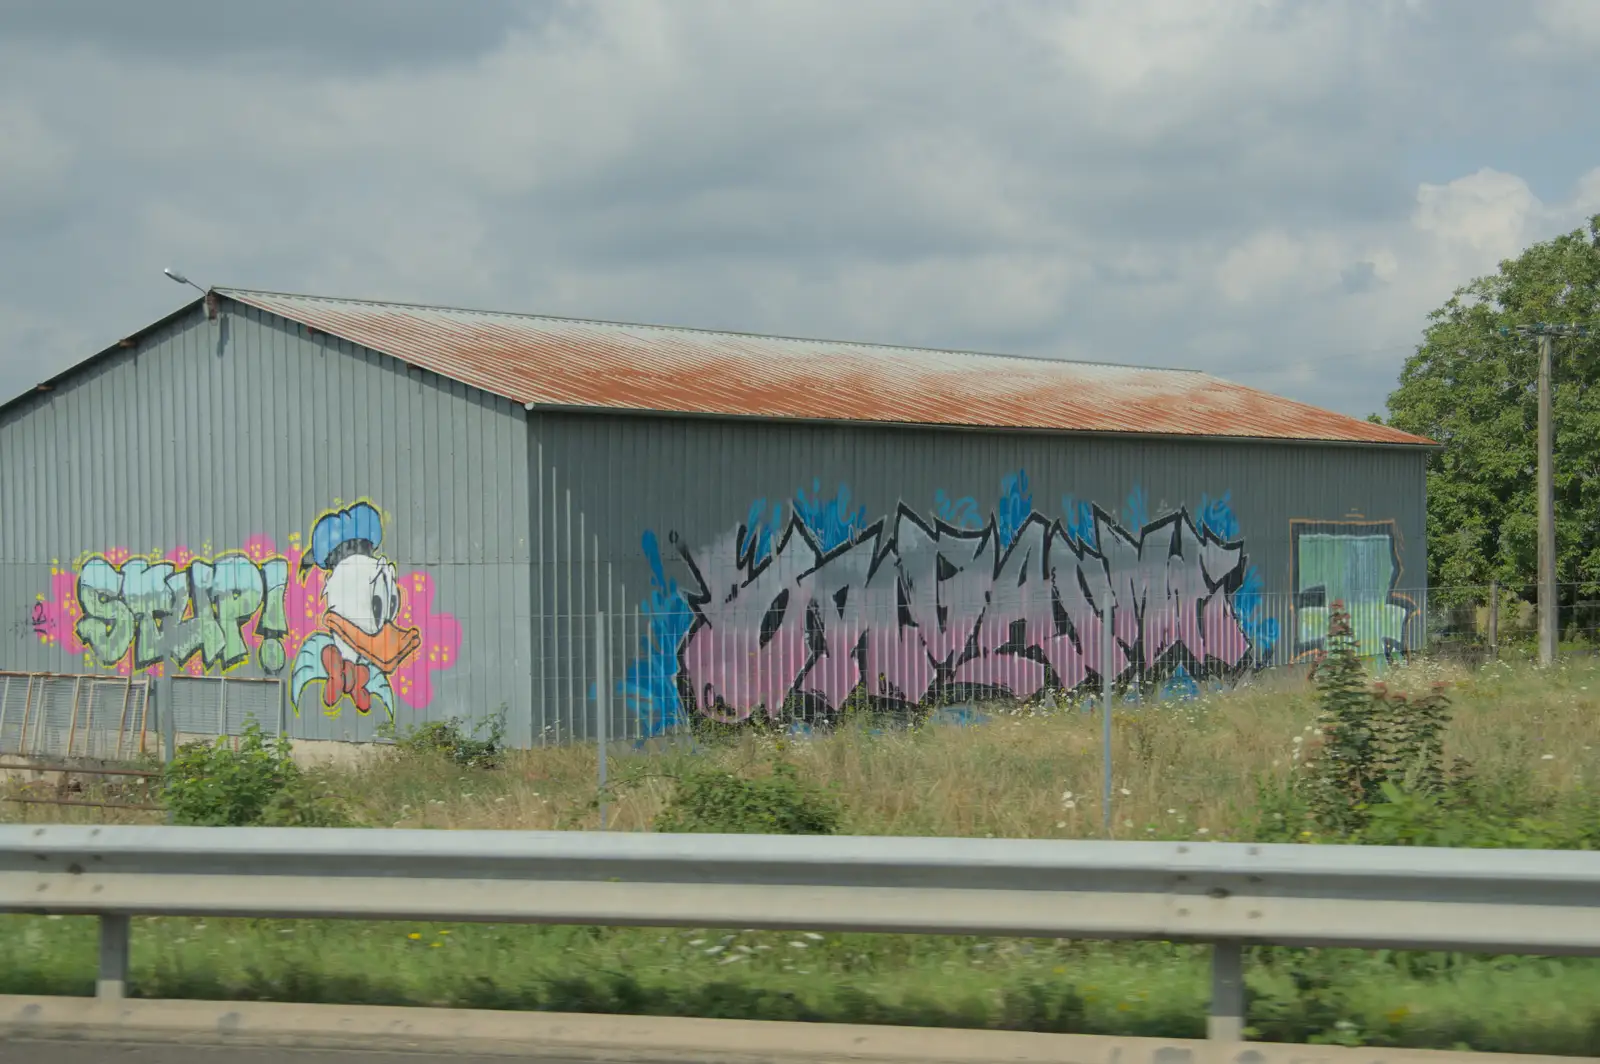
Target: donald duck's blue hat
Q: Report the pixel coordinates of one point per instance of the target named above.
(357, 529)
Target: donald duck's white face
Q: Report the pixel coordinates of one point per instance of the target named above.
(363, 597)
(364, 590)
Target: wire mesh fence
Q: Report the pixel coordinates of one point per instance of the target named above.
(807, 660)
(803, 656)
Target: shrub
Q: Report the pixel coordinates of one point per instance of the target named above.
(216, 785)
(710, 800)
(306, 804)
(1374, 743)
(451, 740)
(1344, 776)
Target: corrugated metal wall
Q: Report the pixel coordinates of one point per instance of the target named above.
(690, 483)
(235, 435)
(214, 447)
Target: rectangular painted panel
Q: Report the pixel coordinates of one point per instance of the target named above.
(251, 499)
(750, 566)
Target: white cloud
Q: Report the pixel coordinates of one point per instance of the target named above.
(1232, 185)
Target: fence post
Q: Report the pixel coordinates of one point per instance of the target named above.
(1225, 1023)
(1494, 620)
(1107, 669)
(602, 707)
(166, 710)
(112, 982)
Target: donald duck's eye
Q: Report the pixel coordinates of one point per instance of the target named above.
(379, 611)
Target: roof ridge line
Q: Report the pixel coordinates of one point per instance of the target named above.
(525, 315)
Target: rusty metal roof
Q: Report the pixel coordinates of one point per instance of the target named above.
(561, 362)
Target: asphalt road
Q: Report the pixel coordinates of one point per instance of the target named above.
(51, 1052)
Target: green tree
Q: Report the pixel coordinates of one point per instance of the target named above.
(1473, 388)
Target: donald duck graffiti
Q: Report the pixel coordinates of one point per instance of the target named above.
(359, 645)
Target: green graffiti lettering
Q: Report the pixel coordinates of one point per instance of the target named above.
(273, 624)
(236, 593)
(202, 591)
(107, 624)
(146, 591)
(181, 635)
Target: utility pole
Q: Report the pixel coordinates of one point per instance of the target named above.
(1547, 510)
(1548, 606)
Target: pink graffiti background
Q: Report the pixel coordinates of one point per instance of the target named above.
(56, 615)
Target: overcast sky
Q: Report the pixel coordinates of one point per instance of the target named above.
(1274, 192)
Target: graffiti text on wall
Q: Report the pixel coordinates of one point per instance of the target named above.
(1358, 563)
(356, 631)
(909, 606)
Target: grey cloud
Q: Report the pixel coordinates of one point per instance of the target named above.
(361, 33)
(905, 172)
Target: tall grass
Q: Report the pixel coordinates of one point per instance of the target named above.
(1180, 769)
(1189, 770)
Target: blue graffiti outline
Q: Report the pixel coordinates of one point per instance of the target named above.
(957, 513)
(1013, 507)
(650, 687)
(1078, 520)
(1249, 607)
(1216, 516)
(1136, 509)
(831, 522)
(755, 536)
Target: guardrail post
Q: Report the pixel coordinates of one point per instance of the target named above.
(1226, 1020)
(115, 931)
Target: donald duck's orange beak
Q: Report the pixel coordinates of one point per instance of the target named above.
(387, 650)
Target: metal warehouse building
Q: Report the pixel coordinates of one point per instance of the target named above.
(353, 511)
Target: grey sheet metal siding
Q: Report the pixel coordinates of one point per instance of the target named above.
(692, 481)
(219, 436)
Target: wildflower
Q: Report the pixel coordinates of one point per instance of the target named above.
(1298, 740)
(798, 945)
(1066, 796)
(1061, 823)
(1548, 757)
(1126, 793)
(1069, 804)
(1202, 831)
(1170, 812)
(415, 936)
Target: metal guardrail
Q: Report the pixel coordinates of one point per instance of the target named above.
(1227, 894)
